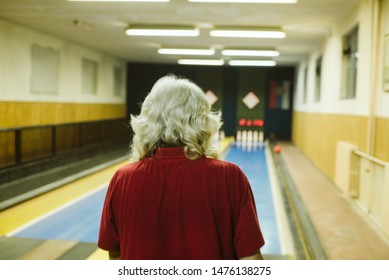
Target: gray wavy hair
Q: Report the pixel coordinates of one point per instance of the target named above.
(175, 113)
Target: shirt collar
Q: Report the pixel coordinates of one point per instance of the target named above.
(169, 152)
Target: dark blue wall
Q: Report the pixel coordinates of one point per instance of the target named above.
(228, 83)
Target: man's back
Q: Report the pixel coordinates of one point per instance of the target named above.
(170, 207)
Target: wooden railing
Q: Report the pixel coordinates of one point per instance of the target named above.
(25, 144)
(370, 180)
(365, 179)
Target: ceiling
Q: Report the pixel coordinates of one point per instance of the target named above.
(306, 24)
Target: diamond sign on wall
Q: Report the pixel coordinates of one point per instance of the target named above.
(251, 100)
(211, 97)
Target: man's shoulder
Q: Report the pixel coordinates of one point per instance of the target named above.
(127, 169)
(222, 164)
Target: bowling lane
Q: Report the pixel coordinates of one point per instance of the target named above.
(76, 221)
(252, 159)
(79, 219)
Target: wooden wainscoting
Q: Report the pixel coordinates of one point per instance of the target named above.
(381, 147)
(317, 134)
(21, 114)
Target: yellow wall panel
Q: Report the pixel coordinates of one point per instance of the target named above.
(316, 135)
(381, 147)
(16, 114)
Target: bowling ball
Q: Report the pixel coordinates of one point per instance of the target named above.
(277, 149)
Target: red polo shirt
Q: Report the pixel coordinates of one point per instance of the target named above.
(171, 207)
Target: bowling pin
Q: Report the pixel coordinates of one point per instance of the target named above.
(239, 136)
(244, 136)
(250, 136)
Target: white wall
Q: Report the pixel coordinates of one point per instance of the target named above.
(382, 96)
(331, 86)
(15, 68)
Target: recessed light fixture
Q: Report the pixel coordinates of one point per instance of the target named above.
(247, 1)
(181, 51)
(162, 30)
(252, 63)
(214, 62)
(246, 52)
(247, 33)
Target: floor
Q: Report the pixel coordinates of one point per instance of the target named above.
(344, 230)
(68, 229)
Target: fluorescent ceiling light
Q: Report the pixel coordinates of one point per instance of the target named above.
(237, 52)
(252, 63)
(177, 51)
(247, 1)
(118, 0)
(215, 62)
(184, 31)
(249, 33)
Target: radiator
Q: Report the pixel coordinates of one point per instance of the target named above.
(344, 169)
